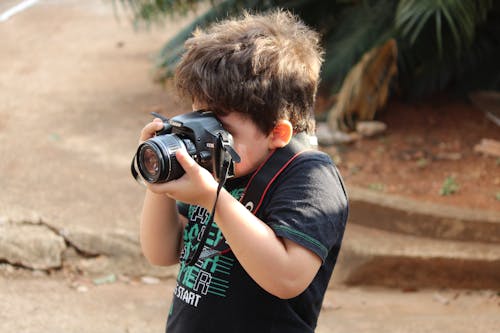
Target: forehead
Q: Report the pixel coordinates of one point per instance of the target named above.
(237, 122)
(234, 119)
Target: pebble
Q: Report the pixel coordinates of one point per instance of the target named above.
(111, 278)
(150, 280)
(82, 289)
(441, 299)
(370, 128)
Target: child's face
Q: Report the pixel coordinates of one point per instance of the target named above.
(250, 142)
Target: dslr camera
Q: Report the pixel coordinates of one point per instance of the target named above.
(203, 137)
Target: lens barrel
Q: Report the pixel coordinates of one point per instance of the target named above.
(156, 160)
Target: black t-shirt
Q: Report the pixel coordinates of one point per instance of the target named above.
(306, 204)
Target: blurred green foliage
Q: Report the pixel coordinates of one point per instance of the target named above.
(449, 187)
(443, 45)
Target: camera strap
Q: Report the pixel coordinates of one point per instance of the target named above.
(205, 231)
(134, 172)
(257, 187)
(262, 179)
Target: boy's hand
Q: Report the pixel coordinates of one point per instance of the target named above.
(150, 129)
(197, 186)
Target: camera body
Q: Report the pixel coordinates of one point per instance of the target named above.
(203, 137)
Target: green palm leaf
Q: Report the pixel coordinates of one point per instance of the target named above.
(459, 18)
(442, 44)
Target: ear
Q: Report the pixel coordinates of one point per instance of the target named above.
(281, 134)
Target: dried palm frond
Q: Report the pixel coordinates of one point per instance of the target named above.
(366, 87)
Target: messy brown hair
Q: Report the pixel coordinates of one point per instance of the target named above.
(264, 66)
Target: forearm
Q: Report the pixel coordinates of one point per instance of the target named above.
(279, 266)
(160, 229)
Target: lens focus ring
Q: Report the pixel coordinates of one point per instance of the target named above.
(156, 158)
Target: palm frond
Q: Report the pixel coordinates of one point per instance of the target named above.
(171, 52)
(366, 87)
(441, 44)
(437, 59)
(359, 29)
(148, 12)
(458, 18)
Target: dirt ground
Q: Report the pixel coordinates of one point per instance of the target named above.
(59, 303)
(425, 144)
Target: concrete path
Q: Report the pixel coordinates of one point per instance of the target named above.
(63, 304)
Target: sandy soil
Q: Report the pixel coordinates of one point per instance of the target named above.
(425, 144)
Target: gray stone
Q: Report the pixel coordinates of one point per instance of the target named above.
(398, 214)
(376, 257)
(327, 136)
(33, 246)
(112, 243)
(124, 265)
(370, 128)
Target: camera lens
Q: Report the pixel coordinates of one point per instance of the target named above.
(151, 162)
(156, 158)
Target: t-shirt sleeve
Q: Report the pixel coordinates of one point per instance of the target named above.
(308, 204)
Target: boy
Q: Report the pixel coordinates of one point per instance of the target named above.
(259, 75)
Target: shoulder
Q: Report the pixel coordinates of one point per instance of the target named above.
(314, 156)
(311, 172)
(311, 162)
(312, 176)
(308, 203)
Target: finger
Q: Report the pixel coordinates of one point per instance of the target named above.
(156, 124)
(170, 188)
(162, 188)
(150, 129)
(186, 161)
